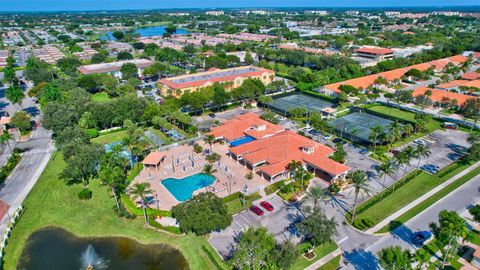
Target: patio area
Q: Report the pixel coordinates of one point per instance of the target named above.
(181, 161)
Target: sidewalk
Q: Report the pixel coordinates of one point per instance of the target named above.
(425, 196)
(324, 260)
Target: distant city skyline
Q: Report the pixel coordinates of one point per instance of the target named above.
(84, 5)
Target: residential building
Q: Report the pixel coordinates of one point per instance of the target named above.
(446, 13)
(232, 78)
(48, 53)
(471, 76)
(267, 149)
(114, 67)
(352, 12)
(392, 13)
(316, 12)
(3, 58)
(442, 96)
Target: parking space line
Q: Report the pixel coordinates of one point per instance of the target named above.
(342, 240)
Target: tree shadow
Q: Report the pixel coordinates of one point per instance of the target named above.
(404, 233)
(361, 259)
(33, 111)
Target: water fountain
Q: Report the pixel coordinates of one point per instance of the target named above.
(91, 261)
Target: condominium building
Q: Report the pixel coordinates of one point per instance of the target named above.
(232, 78)
(114, 67)
(376, 53)
(215, 12)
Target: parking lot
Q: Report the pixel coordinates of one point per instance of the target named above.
(279, 222)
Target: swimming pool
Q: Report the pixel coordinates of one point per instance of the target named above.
(182, 189)
(242, 140)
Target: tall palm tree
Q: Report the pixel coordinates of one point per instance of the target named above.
(422, 151)
(423, 258)
(112, 176)
(141, 190)
(360, 185)
(210, 140)
(375, 131)
(316, 194)
(384, 169)
(293, 167)
(409, 153)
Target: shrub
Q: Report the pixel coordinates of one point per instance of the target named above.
(92, 133)
(334, 188)
(368, 222)
(85, 194)
(304, 247)
(197, 148)
(287, 188)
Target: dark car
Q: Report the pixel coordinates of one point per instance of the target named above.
(212, 115)
(267, 206)
(256, 210)
(363, 151)
(419, 238)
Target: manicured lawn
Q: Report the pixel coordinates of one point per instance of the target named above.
(321, 251)
(405, 194)
(101, 97)
(110, 137)
(332, 264)
(432, 199)
(235, 205)
(52, 203)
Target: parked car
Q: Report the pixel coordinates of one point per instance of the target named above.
(363, 151)
(420, 141)
(212, 115)
(454, 156)
(255, 209)
(449, 125)
(267, 206)
(314, 132)
(430, 168)
(329, 137)
(421, 238)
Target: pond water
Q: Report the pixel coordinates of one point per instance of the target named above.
(145, 32)
(57, 249)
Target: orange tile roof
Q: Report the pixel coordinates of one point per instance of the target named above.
(474, 83)
(277, 151)
(421, 67)
(438, 95)
(458, 59)
(246, 124)
(471, 75)
(376, 51)
(393, 74)
(154, 158)
(452, 84)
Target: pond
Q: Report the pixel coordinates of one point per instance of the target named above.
(145, 32)
(54, 248)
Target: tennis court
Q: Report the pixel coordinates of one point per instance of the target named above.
(283, 104)
(356, 126)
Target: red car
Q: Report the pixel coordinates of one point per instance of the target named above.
(256, 210)
(267, 206)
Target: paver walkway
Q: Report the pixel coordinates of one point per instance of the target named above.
(425, 196)
(324, 260)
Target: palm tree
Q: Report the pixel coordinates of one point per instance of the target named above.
(315, 194)
(422, 151)
(112, 176)
(375, 131)
(210, 140)
(360, 185)
(208, 169)
(386, 168)
(422, 257)
(293, 166)
(141, 190)
(4, 138)
(409, 153)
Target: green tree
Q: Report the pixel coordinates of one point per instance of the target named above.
(208, 169)
(128, 70)
(14, 94)
(284, 255)
(5, 138)
(360, 185)
(394, 258)
(118, 35)
(98, 58)
(254, 249)
(316, 194)
(448, 230)
(113, 176)
(140, 191)
(474, 211)
(124, 56)
(384, 169)
(211, 214)
(22, 121)
(69, 65)
(421, 151)
(210, 140)
(316, 227)
(82, 164)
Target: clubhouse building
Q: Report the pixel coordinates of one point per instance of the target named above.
(267, 149)
(232, 78)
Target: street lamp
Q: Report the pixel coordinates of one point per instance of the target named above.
(158, 203)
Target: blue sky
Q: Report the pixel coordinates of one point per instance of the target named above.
(55, 5)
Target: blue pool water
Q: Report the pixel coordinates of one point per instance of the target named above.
(242, 140)
(109, 148)
(182, 189)
(145, 32)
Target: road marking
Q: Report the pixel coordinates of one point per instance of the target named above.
(343, 240)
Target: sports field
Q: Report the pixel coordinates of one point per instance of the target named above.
(357, 125)
(285, 103)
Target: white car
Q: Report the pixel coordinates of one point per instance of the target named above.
(327, 137)
(420, 141)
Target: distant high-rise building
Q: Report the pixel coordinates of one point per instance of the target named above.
(215, 12)
(316, 12)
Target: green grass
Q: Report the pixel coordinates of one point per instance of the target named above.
(110, 137)
(404, 195)
(321, 251)
(234, 204)
(432, 199)
(52, 203)
(161, 135)
(332, 264)
(101, 97)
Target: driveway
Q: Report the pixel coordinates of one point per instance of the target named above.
(279, 223)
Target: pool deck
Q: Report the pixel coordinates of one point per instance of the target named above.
(169, 168)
